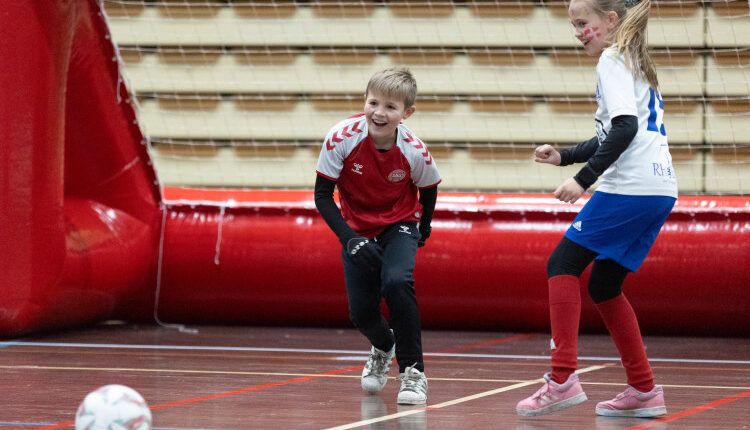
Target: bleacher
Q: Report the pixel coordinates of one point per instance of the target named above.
(241, 93)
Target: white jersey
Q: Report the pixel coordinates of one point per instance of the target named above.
(645, 167)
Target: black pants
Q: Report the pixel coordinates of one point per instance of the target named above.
(394, 282)
(570, 258)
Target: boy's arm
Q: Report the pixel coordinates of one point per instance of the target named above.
(330, 212)
(364, 252)
(427, 198)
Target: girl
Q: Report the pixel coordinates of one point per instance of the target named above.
(618, 225)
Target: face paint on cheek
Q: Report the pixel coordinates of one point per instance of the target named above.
(592, 33)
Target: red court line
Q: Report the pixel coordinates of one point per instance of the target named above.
(225, 394)
(691, 411)
(489, 342)
(291, 381)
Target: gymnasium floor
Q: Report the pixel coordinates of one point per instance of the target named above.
(308, 378)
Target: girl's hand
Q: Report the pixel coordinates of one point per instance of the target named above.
(569, 191)
(547, 154)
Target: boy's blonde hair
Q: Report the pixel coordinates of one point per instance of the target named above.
(394, 82)
(630, 37)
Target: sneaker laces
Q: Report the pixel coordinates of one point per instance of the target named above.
(413, 381)
(546, 390)
(377, 362)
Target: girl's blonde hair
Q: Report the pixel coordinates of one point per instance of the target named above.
(395, 82)
(630, 38)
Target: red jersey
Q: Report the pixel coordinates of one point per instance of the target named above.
(376, 188)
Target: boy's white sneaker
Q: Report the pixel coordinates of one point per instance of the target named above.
(375, 373)
(413, 387)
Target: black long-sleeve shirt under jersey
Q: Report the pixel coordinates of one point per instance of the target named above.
(598, 157)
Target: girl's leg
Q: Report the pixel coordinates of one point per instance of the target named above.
(605, 288)
(642, 398)
(562, 388)
(564, 268)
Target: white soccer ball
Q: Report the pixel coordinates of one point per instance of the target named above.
(113, 407)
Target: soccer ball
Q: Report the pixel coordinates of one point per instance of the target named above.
(113, 407)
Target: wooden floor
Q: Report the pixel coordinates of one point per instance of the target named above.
(303, 378)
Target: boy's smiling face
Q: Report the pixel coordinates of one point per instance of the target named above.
(383, 114)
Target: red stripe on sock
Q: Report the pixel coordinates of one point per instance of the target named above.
(622, 324)
(565, 314)
(690, 411)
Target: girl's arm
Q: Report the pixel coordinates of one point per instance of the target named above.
(624, 128)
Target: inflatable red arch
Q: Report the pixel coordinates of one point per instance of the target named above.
(88, 234)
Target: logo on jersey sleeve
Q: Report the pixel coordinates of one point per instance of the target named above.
(396, 175)
(339, 135)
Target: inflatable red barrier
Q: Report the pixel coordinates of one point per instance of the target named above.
(268, 258)
(79, 216)
(85, 231)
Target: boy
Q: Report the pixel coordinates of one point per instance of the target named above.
(380, 168)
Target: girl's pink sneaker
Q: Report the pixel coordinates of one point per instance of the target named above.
(633, 403)
(552, 397)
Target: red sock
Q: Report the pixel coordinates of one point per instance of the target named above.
(565, 314)
(622, 324)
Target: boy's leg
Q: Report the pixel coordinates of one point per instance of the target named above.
(399, 242)
(363, 293)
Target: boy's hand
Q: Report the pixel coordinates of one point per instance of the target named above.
(364, 253)
(424, 231)
(547, 154)
(569, 191)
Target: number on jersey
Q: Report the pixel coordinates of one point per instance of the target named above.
(656, 116)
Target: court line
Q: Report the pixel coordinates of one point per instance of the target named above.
(209, 397)
(344, 351)
(287, 374)
(451, 402)
(691, 411)
(225, 394)
(489, 342)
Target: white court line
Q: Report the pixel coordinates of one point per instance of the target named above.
(296, 375)
(451, 402)
(345, 355)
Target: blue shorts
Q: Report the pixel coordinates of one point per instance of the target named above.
(620, 227)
